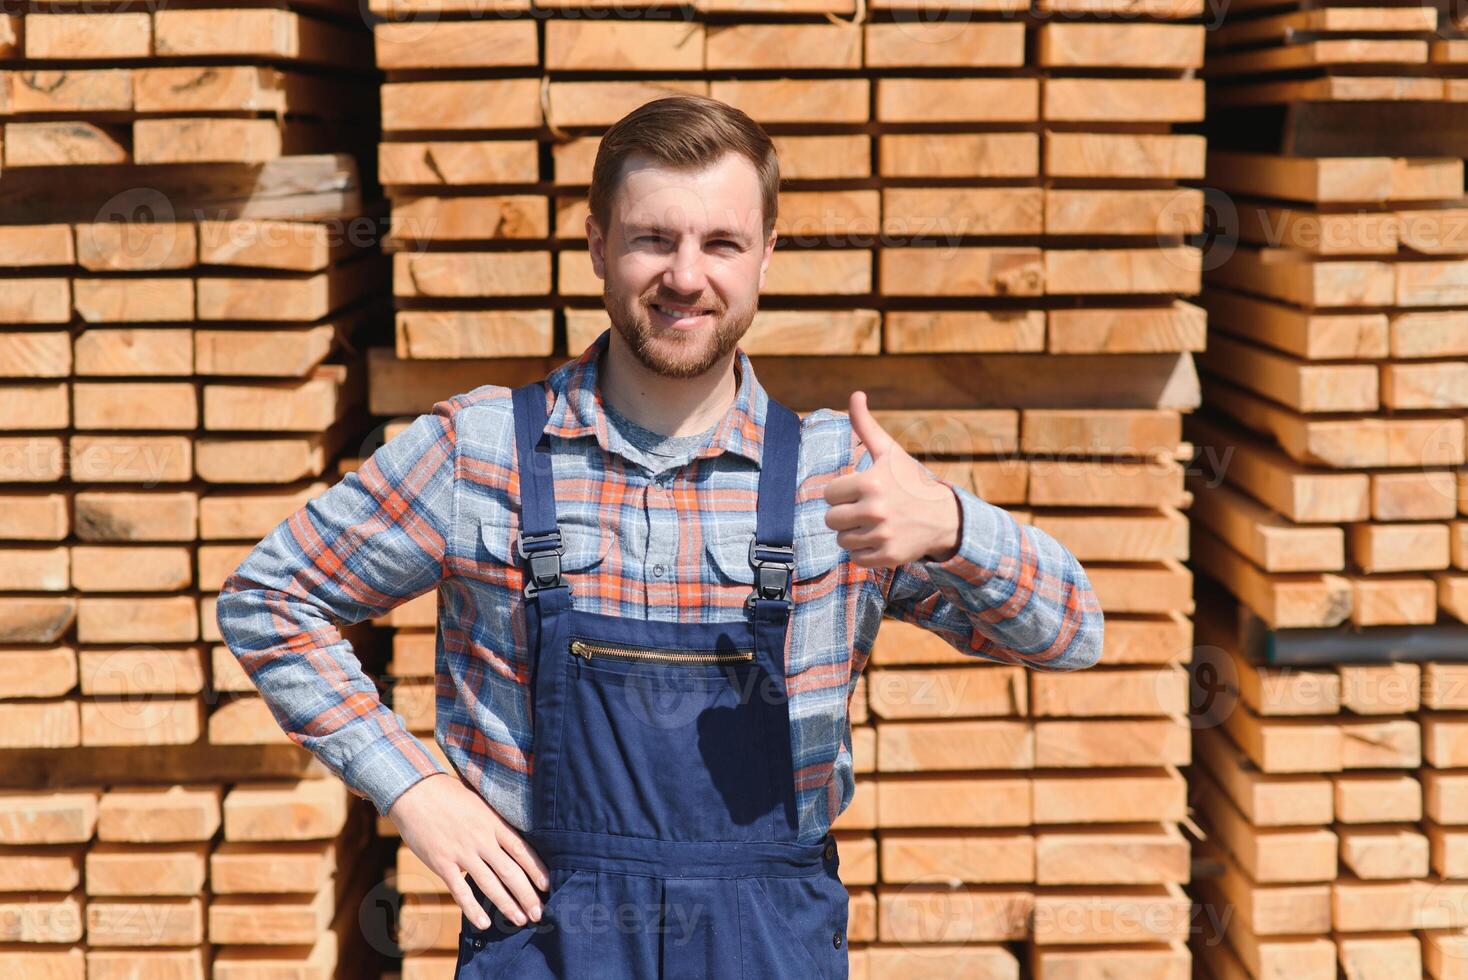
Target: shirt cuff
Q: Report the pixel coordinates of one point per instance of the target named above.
(389, 767)
(979, 526)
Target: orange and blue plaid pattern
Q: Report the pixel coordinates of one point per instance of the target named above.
(437, 507)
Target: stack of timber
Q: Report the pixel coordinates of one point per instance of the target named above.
(140, 84)
(167, 402)
(182, 862)
(1328, 495)
(982, 226)
(1337, 368)
(1331, 797)
(186, 266)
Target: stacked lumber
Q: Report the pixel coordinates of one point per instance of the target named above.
(188, 879)
(220, 83)
(1330, 797)
(1327, 497)
(1268, 52)
(186, 263)
(1336, 375)
(982, 226)
(169, 400)
(1337, 366)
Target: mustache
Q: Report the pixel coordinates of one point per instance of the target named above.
(675, 302)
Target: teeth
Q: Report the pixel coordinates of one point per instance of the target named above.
(679, 313)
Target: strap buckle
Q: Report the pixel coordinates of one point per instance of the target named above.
(544, 564)
(772, 576)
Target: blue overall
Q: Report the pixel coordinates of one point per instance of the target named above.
(663, 787)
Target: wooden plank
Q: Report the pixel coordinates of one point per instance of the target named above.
(493, 43)
(1273, 544)
(1309, 334)
(1282, 600)
(1301, 385)
(995, 155)
(1177, 156)
(500, 103)
(1335, 179)
(1345, 443)
(1384, 853)
(768, 47)
(1267, 855)
(623, 45)
(1377, 797)
(1380, 689)
(920, 43)
(1123, 100)
(1109, 796)
(963, 331)
(1287, 745)
(1179, 326)
(1094, 45)
(1301, 494)
(934, 100)
(1111, 742)
(835, 100)
(977, 857)
(1301, 279)
(1266, 800)
(90, 34)
(1273, 910)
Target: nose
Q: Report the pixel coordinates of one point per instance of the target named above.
(685, 274)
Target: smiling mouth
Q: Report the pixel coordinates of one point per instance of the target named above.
(673, 313)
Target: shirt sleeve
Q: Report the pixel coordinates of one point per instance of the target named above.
(370, 542)
(1010, 593)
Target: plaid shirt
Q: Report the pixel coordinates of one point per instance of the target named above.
(437, 507)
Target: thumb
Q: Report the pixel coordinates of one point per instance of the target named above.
(871, 434)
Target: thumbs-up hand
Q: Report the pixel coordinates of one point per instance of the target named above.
(895, 511)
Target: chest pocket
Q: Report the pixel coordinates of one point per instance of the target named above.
(816, 555)
(587, 543)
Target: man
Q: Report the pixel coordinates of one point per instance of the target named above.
(657, 587)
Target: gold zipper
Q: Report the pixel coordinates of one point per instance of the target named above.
(585, 650)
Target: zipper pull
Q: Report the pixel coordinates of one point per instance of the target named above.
(581, 650)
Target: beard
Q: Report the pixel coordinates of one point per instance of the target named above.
(672, 353)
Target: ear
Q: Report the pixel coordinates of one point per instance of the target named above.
(596, 245)
(764, 263)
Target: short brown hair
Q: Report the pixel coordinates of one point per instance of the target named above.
(684, 132)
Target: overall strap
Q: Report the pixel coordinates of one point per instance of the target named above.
(772, 552)
(540, 539)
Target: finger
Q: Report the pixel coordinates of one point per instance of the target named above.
(513, 877)
(863, 537)
(526, 858)
(845, 489)
(849, 517)
(867, 429)
(495, 891)
(466, 898)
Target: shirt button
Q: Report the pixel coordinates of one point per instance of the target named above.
(830, 849)
(657, 570)
(836, 940)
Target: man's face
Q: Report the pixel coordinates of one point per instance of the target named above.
(683, 261)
